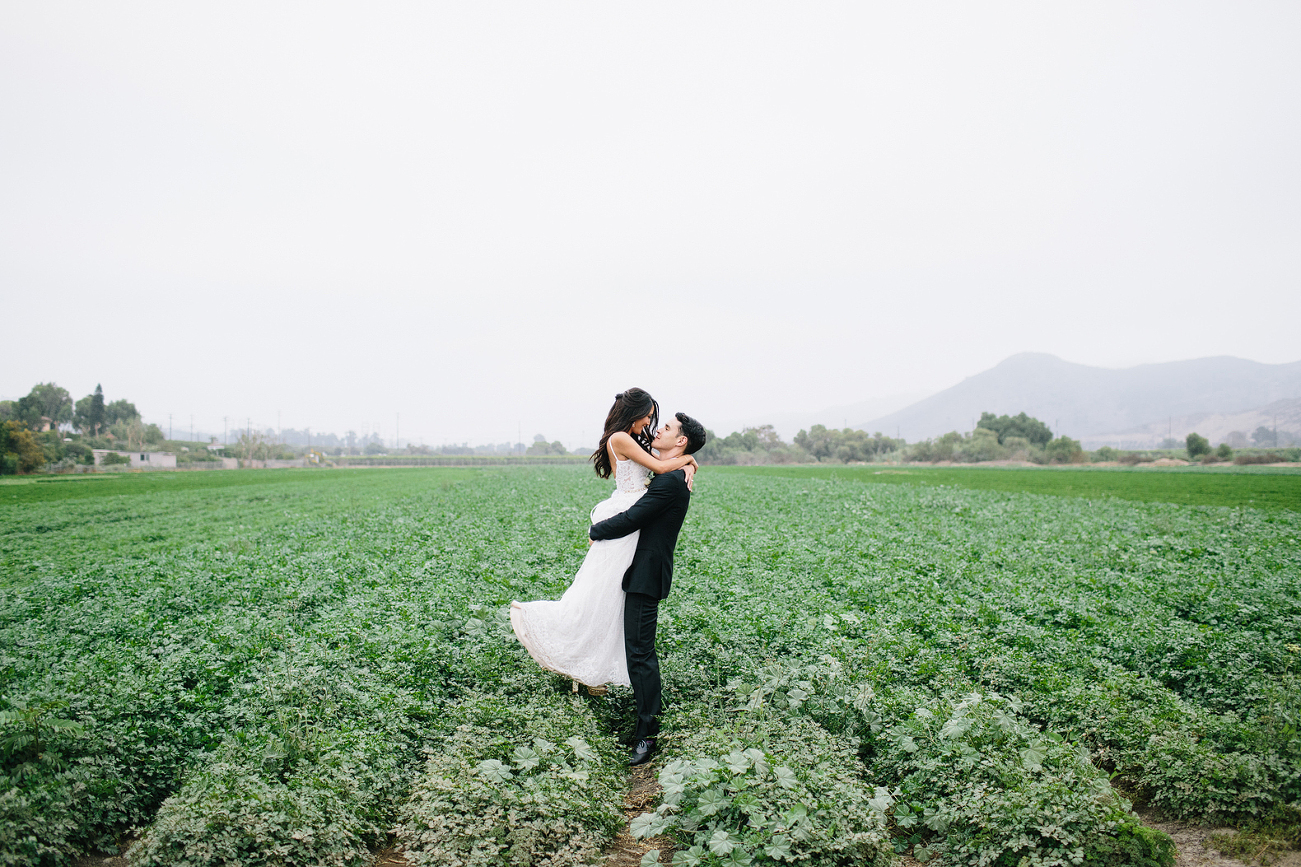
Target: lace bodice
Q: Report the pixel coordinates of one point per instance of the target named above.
(630, 477)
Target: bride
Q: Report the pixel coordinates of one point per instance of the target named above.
(581, 634)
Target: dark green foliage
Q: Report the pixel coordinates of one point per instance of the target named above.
(1197, 445)
(845, 445)
(1020, 425)
(1224, 452)
(1064, 450)
(88, 415)
(45, 401)
(19, 450)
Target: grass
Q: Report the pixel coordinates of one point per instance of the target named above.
(17, 490)
(1272, 488)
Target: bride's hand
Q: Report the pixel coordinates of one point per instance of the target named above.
(690, 472)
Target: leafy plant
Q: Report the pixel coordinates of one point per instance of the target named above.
(759, 793)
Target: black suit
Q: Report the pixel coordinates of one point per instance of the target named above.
(658, 514)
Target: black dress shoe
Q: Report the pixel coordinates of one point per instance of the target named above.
(642, 752)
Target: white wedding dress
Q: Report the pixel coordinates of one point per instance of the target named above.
(580, 635)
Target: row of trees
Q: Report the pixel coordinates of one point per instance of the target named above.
(35, 426)
(1018, 437)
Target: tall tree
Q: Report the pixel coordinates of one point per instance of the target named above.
(120, 411)
(45, 400)
(89, 414)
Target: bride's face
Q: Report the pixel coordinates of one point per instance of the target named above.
(640, 425)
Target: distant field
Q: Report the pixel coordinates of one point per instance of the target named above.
(1258, 487)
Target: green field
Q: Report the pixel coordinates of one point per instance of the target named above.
(303, 667)
(1257, 487)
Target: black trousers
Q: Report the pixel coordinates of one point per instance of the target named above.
(640, 617)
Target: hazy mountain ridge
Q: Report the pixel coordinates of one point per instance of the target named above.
(1087, 402)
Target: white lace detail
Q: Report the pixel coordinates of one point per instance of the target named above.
(580, 635)
(630, 477)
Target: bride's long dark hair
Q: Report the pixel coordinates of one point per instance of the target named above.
(628, 406)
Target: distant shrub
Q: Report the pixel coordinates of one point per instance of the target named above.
(1259, 458)
(1132, 458)
(1224, 452)
(1021, 425)
(1064, 450)
(114, 459)
(1106, 453)
(18, 449)
(1197, 445)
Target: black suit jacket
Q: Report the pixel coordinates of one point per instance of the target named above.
(658, 514)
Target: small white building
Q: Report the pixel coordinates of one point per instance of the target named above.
(140, 460)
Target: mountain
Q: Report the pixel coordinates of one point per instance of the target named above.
(1283, 417)
(1082, 401)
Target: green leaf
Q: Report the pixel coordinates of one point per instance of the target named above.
(737, 762)
(689, 857)
(1033, 756)
(956, 727)
(760, 761)
(786, 778)
(711, 801)
(581, 749)
(526, 759)
(494, 771)
(645, 825)
(779, 847)
(722, 843)
(652, 857)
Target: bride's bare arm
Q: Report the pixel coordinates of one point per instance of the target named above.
(625, 447)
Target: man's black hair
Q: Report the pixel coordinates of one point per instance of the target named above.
(693, 430)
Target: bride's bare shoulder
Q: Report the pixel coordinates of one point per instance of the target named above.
(619, 442)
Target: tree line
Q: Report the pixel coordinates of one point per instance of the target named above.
(32, 428)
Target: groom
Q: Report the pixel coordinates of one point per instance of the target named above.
(658, 514)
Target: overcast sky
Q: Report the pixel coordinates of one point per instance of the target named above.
(491, 217)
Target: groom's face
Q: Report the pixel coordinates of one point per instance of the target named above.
(668, 434)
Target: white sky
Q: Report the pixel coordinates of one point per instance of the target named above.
(491, 217)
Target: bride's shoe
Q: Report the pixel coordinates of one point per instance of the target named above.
(598, 690)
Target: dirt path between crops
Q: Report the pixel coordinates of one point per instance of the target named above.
(1194, 850)
(626, 850)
